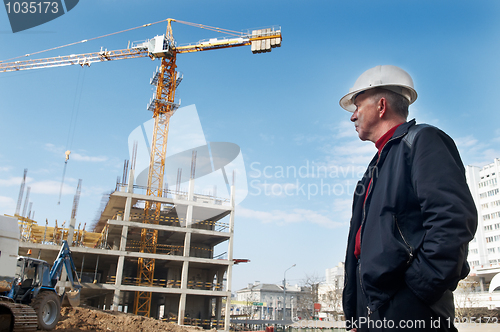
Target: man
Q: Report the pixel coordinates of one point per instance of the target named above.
(412, 215)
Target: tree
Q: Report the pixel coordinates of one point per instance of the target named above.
(308, 296)
(466, 297)
(330, 297)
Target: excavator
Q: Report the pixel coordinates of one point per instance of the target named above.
(28, 295)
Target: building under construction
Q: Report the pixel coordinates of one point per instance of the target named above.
(190, 281)
(153, 249)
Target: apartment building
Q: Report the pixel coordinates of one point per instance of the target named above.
(260, 301)
(484, 249)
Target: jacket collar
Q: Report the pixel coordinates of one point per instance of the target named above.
(400, 132)
(403, 128)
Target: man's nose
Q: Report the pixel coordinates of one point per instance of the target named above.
(354, 116)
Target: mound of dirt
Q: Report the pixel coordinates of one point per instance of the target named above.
(87, 319)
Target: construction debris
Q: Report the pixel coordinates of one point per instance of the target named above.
(90, 319)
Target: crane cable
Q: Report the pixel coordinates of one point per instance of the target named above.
(207, 27)
(64, 173)
(72, 127)
(201, 26)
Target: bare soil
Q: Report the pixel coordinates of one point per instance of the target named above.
(94, 320)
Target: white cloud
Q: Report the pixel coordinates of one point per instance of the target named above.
(342, 209)
(354, 148)
(284, 217)
(80, 157)
(477, 153)
(345, 129)
(423, 116)
(93, 191)
(4, 169)
(7, 204)
(346, 149)
(13, 181)
(40, 187)
(52, 148)
(350, 153)
(74, 155)
(275, 189)
(466, 142)
(51, 187)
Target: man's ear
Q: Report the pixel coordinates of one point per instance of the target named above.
(382, 107)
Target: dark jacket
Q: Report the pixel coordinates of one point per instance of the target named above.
(417, 221)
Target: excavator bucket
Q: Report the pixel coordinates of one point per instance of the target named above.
(72, 297)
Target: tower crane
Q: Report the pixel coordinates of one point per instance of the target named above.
(163, 106)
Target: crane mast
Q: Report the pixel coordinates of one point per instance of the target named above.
(163, 107)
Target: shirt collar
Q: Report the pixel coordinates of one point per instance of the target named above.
(386, 137)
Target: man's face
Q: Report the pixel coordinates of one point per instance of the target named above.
(365, 117)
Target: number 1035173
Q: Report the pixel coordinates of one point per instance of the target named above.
(32, 7)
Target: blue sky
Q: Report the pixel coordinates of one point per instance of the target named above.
(281, 108)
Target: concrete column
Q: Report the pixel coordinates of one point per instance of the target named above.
(274, 309)
(130, 188)
(123, 244)
(219, 274)
(230, 258)
(126, 217)
(187, 247)
(121, 262)
(119, 268)
(71, 230)
(116, 243)
(126, 213)
(108, 300)
(102, 299)
(118, 282)
(218, 308)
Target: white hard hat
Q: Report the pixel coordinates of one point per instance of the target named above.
(388, 77)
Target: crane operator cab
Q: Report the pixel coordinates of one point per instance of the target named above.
(159, 47)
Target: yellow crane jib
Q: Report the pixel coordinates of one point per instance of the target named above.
(261, 41)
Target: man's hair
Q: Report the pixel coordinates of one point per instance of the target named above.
(398, 103)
